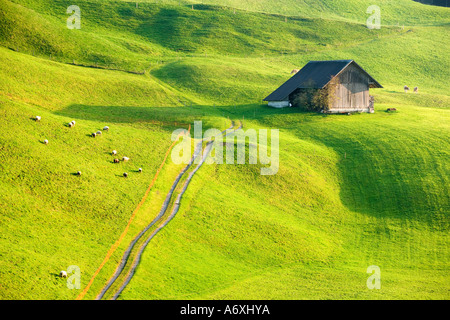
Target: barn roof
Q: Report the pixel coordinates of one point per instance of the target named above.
(315, 74)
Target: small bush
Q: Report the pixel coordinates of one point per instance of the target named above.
(312, 99)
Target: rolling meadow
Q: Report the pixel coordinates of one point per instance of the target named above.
(351, 191)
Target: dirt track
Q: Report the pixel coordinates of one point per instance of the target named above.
(159, 219)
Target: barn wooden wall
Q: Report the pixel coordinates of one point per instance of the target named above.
(352, 92)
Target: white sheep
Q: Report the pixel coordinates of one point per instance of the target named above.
(99, 132)
(114, 152)
(125, 159)
(406, 88)
(125, 175)
(45, 141)
(416, 89)
(38, 118)
(78, 173)
(140, 169)
(71, 124)
(106, 128)
(63, 274)
(94, 134)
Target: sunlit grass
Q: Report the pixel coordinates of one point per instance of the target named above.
(351, 191)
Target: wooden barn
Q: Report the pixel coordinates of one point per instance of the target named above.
(349, 82)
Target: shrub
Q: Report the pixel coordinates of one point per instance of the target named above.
(312, 99)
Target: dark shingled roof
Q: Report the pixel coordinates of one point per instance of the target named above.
(315, 74)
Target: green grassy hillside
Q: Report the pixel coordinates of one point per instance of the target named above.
(352, 191)
(346, 197)
(403, 11)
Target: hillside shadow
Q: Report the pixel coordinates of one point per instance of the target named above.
(270, 116)
(376, 177)
(362, 188)
(164, 28)
(170, 118)
(369, 182)
(166, 118)
(183, 29)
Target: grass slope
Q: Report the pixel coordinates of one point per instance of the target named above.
(342, 201)
(351, 191)
(404, 12)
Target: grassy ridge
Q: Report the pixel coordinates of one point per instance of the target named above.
(404, 12)
(77, 85)
(343, 202)
(42, 31)
(351, 191)
(125, 37)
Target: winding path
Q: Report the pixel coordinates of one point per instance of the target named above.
(159, 219)
(117, 243)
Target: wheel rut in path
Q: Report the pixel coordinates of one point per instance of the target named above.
(161, 220)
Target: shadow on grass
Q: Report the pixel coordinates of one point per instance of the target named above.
(75, 174)
(364, 187)
(56, 275)
(380, 174)
(168, 118)
(173, 117)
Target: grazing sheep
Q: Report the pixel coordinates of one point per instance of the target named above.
(416, 89)
(406, 89)
(114, 152)
(125, 175)
(63, 274)
(106, 128)
(38, 118)
(294, 71)
(94, 134)
(125, 159)
(140, 169)
(71, 124)
(45, 141)
(391, 109)
(99, 132)
(78, 173)
(116, 161)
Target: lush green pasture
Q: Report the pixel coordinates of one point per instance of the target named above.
(393, 12)
(347, 196)
(351, 191)
(52, 218)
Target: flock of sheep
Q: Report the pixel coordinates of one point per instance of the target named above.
(63, 273)
(95, 134)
